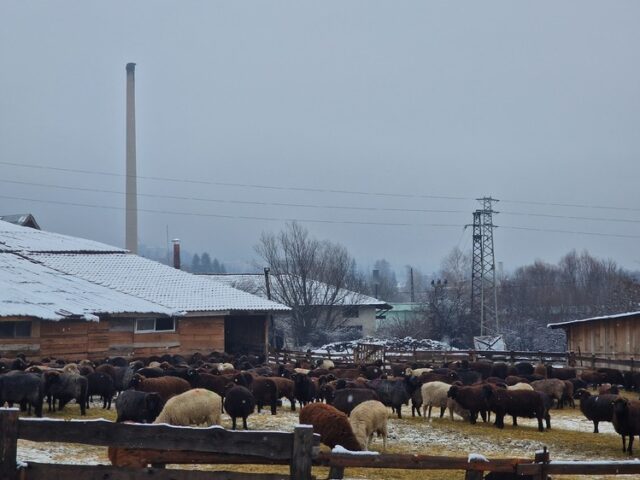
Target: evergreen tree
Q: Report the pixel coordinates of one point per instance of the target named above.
(196, 267)
(205, 263)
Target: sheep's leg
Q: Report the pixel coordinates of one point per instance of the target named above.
(292, 401)
(624, 443)
(430, 407)
(233, 423)
(595, 426)
(547, 418)
(515, 420)
(631, 444)
(442, 409)
(244, 423)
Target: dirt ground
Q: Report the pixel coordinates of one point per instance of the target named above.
(570, 438)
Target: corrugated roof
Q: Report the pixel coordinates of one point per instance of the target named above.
(593, 319)
(23, 219)
(15, 238)
(156, 282)
(254, 283)
(30, 289)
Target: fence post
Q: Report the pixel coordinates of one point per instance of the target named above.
(301, 457)
(473, 475)
(572, 359)
(8, 443)
(593, 361)
(542, 458)
(632, 364)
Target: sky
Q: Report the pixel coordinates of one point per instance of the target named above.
(375, 124)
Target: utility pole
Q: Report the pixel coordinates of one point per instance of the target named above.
(484, 300)
(413, 291)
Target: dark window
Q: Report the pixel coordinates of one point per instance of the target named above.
(15, 329)
(351, 311)
(144, 325)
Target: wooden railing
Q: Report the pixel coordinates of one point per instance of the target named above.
(358, 356)
(161, 444)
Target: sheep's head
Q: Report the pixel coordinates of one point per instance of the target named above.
(137, 380)
(453, 391)
(621, 407)
(581, 394)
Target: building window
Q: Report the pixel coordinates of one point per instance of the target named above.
(351, 311)
(149, 325)
(15, 329)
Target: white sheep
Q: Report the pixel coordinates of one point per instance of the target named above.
(434, 394)
(326, 364)
(198, 406)
(368, 418)
(225, 367)
(154, 364)
(455, 407)
(520, 386)
(302, 371)
(71, 368)
(416, 372)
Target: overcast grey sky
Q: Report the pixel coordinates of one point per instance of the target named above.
(530, 101)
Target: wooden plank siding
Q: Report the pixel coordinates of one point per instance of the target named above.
(111, 336)
(614, 338)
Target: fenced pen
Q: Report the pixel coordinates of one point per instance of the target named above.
(159, 445)
(367, 353)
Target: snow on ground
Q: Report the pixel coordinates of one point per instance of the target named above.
(406, 343)
(407, 435)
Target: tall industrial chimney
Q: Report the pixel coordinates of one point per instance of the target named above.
(131, 227)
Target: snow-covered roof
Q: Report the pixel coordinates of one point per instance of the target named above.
(156, 282)
(593, 319)
(15, 238)
(23, 219)
(33, 290)
(254, 283)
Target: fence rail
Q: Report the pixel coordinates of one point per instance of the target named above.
(162, 444)
(364, 354)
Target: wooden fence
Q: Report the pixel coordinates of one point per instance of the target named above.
(366, 353)
(161, 444)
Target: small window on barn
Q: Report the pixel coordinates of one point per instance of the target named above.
(351, 311)
(148, 325)
(15, 329)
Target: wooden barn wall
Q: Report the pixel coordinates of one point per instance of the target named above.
(246, 334)
(77, 339)
(615, 339)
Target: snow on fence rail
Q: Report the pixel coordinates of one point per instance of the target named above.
(367, 353)
(159, 445)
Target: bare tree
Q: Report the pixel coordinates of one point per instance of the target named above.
(312, 277)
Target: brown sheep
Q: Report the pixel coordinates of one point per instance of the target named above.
(285, 389)
(166, 387)
(332, 425)
(470, 398)
(553, 387)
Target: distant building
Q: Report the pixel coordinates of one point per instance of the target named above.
(70, 297)
(358, 312)
(22, 219)
(612, 336)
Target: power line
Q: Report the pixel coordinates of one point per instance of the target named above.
(310, 189)
(305, 220)
(230, 184)
(306, 205)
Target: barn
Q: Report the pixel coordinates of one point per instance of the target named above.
(105, 301)
(612, 336)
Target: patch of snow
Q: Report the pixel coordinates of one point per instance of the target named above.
(341, 449)
(476, 457)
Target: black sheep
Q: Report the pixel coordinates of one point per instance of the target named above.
(239, 402)
(140, 407)
(626, 420)
(524, 368)
(516, 403)
(394, 393)
(64, 387)
(103, 385)
(597, 408)
(22, 388)
(264, 390)
(347, 399)
(304, 389)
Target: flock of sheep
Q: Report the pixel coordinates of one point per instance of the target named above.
(346, 404)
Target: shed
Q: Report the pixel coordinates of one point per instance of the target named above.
(611, 336)
(191, 313)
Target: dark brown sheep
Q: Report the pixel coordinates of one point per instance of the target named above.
(332, 425)
(597, 408)
(286, 390)
(626, 420)
(470, 398)
(516, 403)
(166, 387)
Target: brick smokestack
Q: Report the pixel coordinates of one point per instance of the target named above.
(131, 214)
(176, 253)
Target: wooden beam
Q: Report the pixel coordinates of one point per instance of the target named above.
(272, 445)
(44, 471)
(301, 456)
(8, 443)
